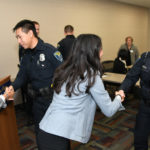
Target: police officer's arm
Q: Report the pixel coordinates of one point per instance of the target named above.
(132, 76)
(56, 58)
(21, 77)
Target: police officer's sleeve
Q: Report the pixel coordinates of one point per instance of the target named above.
(21, 77)
(56, 59)
(132, 76)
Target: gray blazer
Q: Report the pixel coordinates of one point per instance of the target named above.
(134, 53)
(2, 102)
(72, 117)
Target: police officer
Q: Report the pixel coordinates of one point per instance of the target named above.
(141, 70)
(26, 98)
(37, 66)
(65, 44)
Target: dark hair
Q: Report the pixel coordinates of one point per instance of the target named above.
(123, 54)
(82, 64)
(68, 28)
(129, 37)
(35, 22)
(26, 25)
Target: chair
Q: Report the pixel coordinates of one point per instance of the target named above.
(108, 65)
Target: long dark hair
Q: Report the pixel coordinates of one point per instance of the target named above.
(82, 64)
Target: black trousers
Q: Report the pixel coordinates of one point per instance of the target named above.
(40, 105)
(48, 141)
(27, 100)
(142, 128)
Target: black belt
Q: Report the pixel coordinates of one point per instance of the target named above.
(46, 92)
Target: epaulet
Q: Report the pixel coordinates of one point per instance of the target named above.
(49, 46)
(46, 46)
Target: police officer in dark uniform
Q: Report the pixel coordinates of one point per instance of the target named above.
(65, 44)
(141, 70)
(26, 97)
(37, 66)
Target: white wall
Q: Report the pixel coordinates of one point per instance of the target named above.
(148, 33)
(111, 20)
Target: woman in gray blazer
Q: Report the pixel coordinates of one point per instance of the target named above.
(78, 88)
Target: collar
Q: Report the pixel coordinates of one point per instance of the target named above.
(39, 45)
(127, 46)
(70, 36)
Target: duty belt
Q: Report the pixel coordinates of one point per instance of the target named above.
(45, 92)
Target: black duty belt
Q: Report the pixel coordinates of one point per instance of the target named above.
(46, 92)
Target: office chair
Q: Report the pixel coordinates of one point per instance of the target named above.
(107, 65)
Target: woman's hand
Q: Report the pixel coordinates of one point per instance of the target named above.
(121, 93)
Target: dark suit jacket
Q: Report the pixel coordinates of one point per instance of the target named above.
(65, 44)
(119, 67)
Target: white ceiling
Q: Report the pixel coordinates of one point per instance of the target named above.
(144, 3)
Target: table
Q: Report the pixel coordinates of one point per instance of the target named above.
(115, 78)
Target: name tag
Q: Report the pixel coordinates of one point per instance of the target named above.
(131, 51)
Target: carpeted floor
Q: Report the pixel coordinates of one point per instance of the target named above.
(115, 133)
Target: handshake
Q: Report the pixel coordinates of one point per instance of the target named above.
(121, 94)
(9, 93)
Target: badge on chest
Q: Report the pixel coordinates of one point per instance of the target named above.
(42, 57)
(41, 60)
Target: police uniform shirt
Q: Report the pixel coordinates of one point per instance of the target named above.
(38, 66)
(21, 52)
(65, 44)
(141, 70)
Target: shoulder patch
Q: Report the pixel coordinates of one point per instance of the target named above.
(58, 56)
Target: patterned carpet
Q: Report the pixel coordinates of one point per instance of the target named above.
(115, 133)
